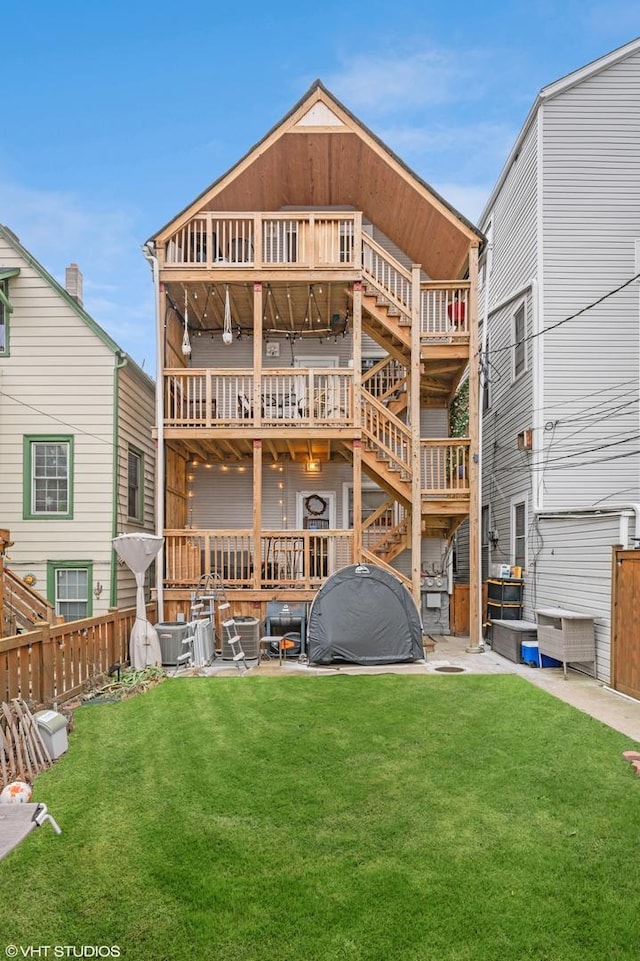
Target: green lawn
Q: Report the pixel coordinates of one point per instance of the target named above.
(369, 817)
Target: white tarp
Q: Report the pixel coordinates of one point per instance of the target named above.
(138, 551)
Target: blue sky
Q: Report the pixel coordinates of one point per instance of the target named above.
(117, 114)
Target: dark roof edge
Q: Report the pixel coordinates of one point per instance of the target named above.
(318, 85)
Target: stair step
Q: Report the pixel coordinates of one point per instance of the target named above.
(239, 657)
(224, 607)
(234, 639)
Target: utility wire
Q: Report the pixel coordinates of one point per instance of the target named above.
(565, 320)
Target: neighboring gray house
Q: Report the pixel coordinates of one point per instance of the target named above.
(561, 365)
(76, 451)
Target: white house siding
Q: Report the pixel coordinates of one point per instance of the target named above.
(58, 380)
(573, 566)
(591, 222)
(506, 470)
(136, 418)
(514, 220)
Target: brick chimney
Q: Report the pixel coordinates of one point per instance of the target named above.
(73, 282)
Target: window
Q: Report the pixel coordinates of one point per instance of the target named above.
(48, 477)
(484, 525)
(135, 486)
(4, 318)
(69, 585)
(519, 534)
(485, 375)
(519, 345)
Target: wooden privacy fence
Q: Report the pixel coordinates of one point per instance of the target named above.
(54, 663)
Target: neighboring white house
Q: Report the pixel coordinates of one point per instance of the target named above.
(561, 365)
(76, 451)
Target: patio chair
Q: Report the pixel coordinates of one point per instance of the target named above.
(19, 820)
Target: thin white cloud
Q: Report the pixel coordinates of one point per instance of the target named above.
(59, 228)
(385, 82)
(468, 199)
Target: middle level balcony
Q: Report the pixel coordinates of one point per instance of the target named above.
(302, 398)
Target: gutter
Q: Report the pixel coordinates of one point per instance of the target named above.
(148, 251)
(121, 361)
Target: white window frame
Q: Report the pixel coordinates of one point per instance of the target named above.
(138, 516)
(519, 500)
(519, 341)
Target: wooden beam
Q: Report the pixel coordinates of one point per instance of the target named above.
(257, 508)
(414, 417)
(475, 571)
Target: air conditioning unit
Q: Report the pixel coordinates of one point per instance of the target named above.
(525, 439)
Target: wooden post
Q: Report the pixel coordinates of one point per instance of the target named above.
(257, 352)
(475, 570)
(257, 514)
(357, 420)
(414, 415)
(357, 501)
(5, 544)
(47, 667)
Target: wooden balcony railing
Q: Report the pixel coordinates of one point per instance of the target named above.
(299, 559)
(444, 467)
(306, 397)
(444, 311)
(387, 276)
(309, 239)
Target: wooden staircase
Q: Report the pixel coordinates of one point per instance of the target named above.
(24, 608)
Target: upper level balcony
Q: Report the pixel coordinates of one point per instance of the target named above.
(283, 242)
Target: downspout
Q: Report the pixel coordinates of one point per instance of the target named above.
(121, 361)
(148, 252)
(481, 380)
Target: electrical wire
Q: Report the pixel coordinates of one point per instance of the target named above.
(565, 320)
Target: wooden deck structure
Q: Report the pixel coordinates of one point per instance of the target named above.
(319, 241)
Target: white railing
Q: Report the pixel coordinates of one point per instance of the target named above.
(389, 278)
(298, 397)
(298, 558)
(390, 438)
(312, 239)
(444, 467)
(444, 310)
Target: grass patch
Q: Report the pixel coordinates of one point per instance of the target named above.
(387, 817)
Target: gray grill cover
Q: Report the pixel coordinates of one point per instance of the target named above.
(364, 615)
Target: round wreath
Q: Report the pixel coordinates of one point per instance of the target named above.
(315, 505)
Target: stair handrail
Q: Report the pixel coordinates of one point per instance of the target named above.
(395, 385)
(370, 407)
(394, 282)
(22, 602)
(379, 562)
(399, 530)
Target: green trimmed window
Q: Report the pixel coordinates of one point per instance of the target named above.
(69, 588)
(48, 477)
(135, 485)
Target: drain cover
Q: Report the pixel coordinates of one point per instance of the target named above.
(450, 670)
